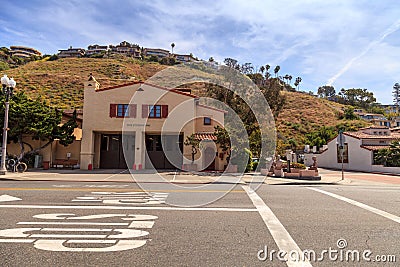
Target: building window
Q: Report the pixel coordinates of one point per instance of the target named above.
(207, 121)
(122, 110)
(345, 151)
(155, 111)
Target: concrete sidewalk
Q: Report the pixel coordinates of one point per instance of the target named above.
(149, 176)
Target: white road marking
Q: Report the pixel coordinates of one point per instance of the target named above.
(111, 176)
(360, 205)
(71, 223)
(119, 238)
(124, 198)
(58, 245)
(174, 176)
(282, 238)
(141, 224)
(125, 208)
(14, 240)
(4, 198)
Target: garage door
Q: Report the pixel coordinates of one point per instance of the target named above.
(117, 151)
(167, 157)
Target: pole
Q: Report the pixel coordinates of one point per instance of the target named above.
(342, 164)
(3, 169)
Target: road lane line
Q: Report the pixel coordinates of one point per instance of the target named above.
(125, 208)
(360, 205)
(282, 238)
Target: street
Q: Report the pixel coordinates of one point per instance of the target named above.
(70, 223)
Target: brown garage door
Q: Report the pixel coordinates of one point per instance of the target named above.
(156, 156)
(112, 150)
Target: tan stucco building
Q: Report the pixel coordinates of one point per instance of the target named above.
(143, 126)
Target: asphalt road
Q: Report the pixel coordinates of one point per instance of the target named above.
(116, 224)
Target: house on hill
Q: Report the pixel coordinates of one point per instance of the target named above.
(23, 51)
(139, 125)
(71, 52)
(359, 150)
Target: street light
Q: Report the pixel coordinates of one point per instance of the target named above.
(8, 88)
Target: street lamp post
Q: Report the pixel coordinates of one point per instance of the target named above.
(8, 88)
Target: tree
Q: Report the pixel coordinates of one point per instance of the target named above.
(211, 59)
(35, 118)
(389, 157)
(276, 70)
(194, 143)
(232, 63)
(262, 69)
(326, 91)
(172, 47)
(297, 82)
(396, 95)
(357, 97)
(349, 113)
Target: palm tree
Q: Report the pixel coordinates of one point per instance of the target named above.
(276, 70)
(297, 83)
(172, 46)
(262, 69)
(396, 95)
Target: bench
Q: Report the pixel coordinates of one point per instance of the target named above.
(65, 163)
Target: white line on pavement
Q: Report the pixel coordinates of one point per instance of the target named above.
(125, 208)
(360, 205)
(109, 177)
(282, 238)
(70, 223)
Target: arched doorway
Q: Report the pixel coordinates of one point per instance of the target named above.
(209, 159)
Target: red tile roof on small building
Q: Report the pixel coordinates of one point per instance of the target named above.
(205, 136)
(373, 148)
(361, 135)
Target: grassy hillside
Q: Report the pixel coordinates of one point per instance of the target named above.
(304, 113)
(61, 82)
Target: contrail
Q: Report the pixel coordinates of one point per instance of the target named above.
(394, 27)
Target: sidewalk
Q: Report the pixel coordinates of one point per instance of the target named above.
(148, 176)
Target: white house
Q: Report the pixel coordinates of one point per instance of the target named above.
(359, 150)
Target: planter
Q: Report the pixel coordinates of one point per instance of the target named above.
(295, 170)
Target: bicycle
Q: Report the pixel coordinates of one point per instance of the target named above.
(15, 165)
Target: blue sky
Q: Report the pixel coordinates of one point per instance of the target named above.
(343, 43)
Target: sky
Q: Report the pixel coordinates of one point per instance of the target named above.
(343, 43)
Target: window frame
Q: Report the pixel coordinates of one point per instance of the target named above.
(155, 111)
(208, 119)
(124, 111)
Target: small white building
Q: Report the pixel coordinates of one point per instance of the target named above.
(359, 150)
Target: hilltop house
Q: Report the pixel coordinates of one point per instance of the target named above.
(23, 51)
(359, 150)
(124, 127)
(96, 49)
(158, 52)
(127, 49)
(71, 52)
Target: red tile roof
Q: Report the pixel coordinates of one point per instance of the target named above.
(372, 148)
(361, 135)
(205, 136)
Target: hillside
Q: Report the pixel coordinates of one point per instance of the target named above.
(303, 114)
(61, 82)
